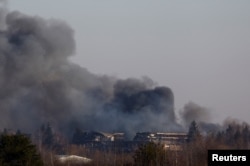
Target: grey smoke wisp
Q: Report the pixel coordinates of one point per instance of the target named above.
(194, 112)
(39, 85)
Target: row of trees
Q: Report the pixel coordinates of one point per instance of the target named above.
(17, 149)
(194, 151)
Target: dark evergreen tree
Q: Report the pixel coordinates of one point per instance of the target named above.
(193, 132)
(229, 135)
(237, 138)
(18, 132)
(246, 136)
(18, 150)
(78, 137)
(151, 154)
(220, 137)
(47, 136)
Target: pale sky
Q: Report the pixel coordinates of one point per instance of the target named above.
(200, 49)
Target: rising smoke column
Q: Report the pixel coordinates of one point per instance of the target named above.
(194, 112)
(39, 85)
(142, 109)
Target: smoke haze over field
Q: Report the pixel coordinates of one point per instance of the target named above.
(39, 85)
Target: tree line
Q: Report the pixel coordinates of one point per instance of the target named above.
(18, 149)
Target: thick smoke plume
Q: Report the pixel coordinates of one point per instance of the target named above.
(194, 112)
(40, 85)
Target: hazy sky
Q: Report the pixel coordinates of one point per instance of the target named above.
(200, 49)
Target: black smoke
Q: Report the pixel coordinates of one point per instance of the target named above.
(40, 85)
